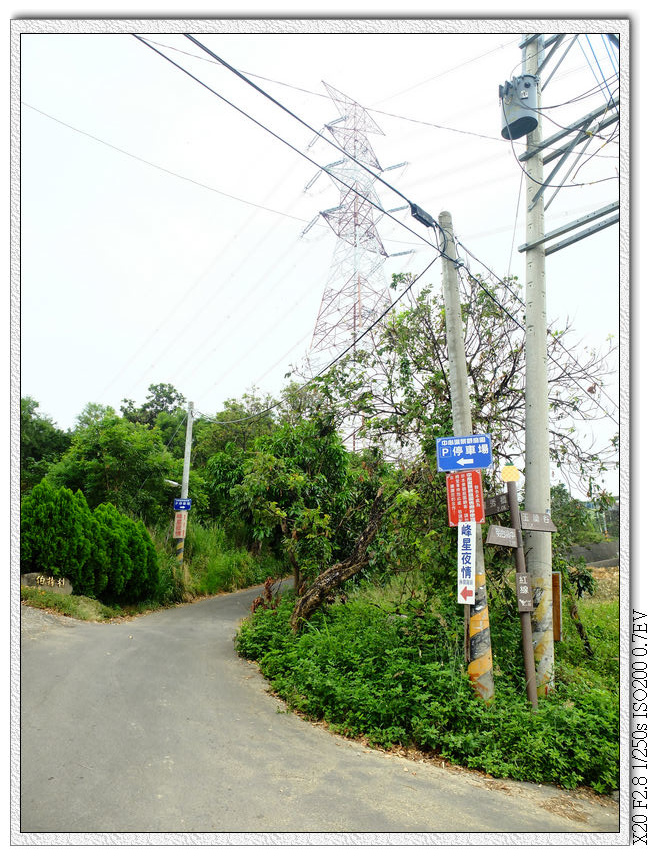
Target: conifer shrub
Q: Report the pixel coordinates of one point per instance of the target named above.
(120, 566)
(53, 536)
(105, 554)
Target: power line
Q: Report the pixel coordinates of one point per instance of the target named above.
(401, 195)
(301, 153)
(452, 69)
(370, 110)
(522, 327)
(162, 168)
(342, 354)
(295, 116)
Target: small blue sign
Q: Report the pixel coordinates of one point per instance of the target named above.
(462, 453)
(182, 504)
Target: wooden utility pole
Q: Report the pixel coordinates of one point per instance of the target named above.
(537, 489)
(478, 642)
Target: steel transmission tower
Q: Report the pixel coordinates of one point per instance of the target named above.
(356, 292)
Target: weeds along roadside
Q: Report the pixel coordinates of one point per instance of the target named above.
(395, 679)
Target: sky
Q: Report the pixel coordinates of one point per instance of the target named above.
(161, 228)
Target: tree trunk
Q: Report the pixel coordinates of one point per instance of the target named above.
(573, 612)
(337, 574)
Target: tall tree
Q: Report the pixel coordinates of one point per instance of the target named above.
(125, 464)
(398, 394)
(162, 398)
(240, 422)
(41, 443)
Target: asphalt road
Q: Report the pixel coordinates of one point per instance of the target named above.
(155, 725)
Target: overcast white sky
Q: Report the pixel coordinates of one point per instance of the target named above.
(161, 229)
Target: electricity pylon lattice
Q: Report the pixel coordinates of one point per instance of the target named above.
(356, 292)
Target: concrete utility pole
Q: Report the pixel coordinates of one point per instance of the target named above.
(477, 623)
(180, 542)
(537, 489)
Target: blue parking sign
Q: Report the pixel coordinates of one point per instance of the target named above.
(461, 453)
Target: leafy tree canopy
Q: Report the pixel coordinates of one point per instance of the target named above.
(113, 460)
(397, 395)
(41, 443)
(162, 398)
(240, 422)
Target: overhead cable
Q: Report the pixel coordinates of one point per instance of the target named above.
(345, 351)
(432, 223)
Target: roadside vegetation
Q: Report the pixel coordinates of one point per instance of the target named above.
(369, 639)
(393, 674)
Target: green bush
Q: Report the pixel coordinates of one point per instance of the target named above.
(399, 680)
(104, 553)
(53, 537)
(120, 565)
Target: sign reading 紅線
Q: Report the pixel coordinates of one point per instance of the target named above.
(466, 562)
(524, 593)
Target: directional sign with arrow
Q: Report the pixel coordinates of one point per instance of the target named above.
(456, 453)
(466, 563)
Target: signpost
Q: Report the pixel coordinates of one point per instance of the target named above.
(536, 522)
(512, 537)
(496, 504)
(503, 536)
(524, 593)
(459, 453)
(465, 498)
(182, 504)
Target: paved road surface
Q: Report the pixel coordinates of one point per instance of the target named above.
(155, 725)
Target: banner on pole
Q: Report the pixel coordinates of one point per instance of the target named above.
(466, 563)
(180, 524)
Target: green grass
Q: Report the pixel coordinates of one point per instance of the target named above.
(75, 606)
(399, 680)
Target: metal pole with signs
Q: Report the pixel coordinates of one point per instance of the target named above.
(466, 510)
(462, 455)
(182, 506)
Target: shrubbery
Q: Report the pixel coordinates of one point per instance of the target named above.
(105, 554)
(399, 680)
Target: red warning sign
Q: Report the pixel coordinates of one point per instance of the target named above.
(465, 497)
(180, 524)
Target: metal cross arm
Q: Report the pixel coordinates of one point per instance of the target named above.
(577, 223)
